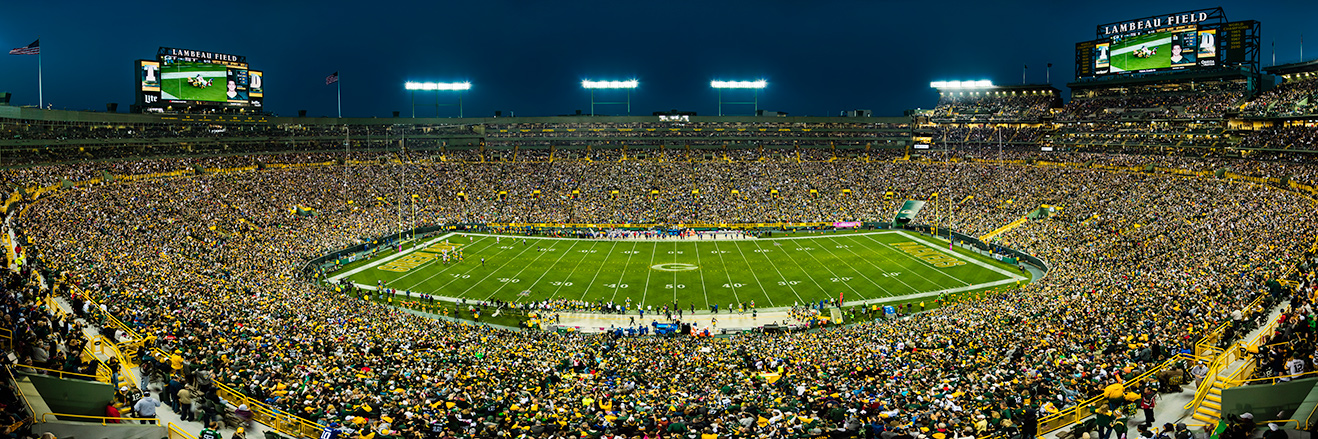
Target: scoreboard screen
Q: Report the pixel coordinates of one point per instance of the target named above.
(1169, 42)
(1172, 48)
(191, 77)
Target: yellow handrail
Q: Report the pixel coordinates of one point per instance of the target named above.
(104, 419)
(1074, 414)
(1214, 368)
(1238, 382)
(59, 372)
(124, 362)
(175, 430)
(274, 418)
(30, 412)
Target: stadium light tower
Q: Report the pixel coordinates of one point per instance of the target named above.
(437, 87)
(755, 87)
(628, 85)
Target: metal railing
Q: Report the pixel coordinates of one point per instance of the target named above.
(177, 433)
(59, 373)
(105, 420)
(1084, 409)
(31, 413)
(274, 418)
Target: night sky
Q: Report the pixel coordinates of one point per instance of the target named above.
(529, 57)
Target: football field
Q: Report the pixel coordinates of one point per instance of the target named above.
(863, 267)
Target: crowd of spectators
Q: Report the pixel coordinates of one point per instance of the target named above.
(994, 106)
(1291, 98)
(970, 136)
(1295, 138)
(1207, 100)
(207, 265)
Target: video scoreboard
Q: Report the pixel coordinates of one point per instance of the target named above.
(182, 77)
(1181, 41)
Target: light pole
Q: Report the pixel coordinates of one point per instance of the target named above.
(754, 86)
(628, 85)
(437, 87)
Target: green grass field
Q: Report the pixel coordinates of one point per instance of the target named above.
(1123, 56)
(174, 82)
(773, 272)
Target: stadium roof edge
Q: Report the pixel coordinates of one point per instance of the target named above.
(1172, 77)
(1019, 87)
(1295, 67)
(27, 113)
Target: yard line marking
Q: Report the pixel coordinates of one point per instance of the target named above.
(674, 272)
(704, 289)
(881, 271)
(648, 271)
(922, 262)
(803, 270)
(390, 258)
(623, 272)
(441, 287)
(729, 273)
(597, 271)
(898, 278)
(570, 273)
(830, 271)
(496, 270)
(414, 285)
(786, 283)
(542, 275)
(519, 272)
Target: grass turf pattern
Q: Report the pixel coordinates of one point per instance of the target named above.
(773, 272)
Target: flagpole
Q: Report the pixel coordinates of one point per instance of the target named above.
(339, 85)
(41, 95)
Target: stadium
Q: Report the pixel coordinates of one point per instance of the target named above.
(1006, 264)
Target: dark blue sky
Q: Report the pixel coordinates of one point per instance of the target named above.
(529, 57)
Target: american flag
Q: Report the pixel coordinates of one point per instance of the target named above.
(328, 79)
(30, 49)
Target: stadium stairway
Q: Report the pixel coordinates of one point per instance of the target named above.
(1171, 406)
(1003, 229)
(131, 376)
(1209, 410)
